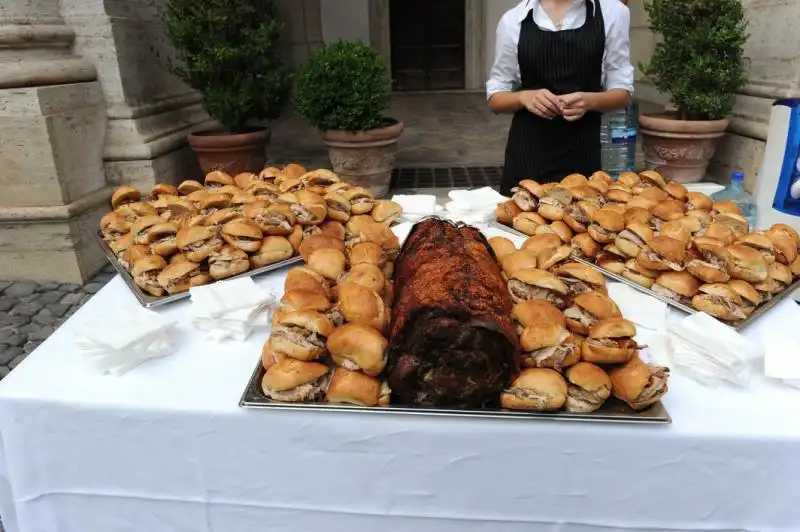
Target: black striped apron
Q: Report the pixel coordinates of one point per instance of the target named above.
(563, 62)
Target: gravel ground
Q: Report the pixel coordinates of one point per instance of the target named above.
(30, 312)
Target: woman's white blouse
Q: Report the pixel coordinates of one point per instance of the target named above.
(617, 68)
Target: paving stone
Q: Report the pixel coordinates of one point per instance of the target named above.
(7, 320)
(45, 318)
(72, 299)
(58, 309)
(3, 372)
(26, 309)
(69, 288)
(9, 353)
(42, 334)
(4, 285)
(6, 303)
(30, 347)
(93, 288)
(27, 330)
(14, 363)
(16, 339)
(5, 334)
(48, 287)
(50, 298)
(20, 289)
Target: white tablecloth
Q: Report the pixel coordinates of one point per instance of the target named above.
(167, 448)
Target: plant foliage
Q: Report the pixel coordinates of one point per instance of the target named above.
(227, 50)
(344, 86)
(699, 61)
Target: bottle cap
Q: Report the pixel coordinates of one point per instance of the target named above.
(737, 176)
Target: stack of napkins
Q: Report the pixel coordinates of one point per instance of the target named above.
(779, 333)
(125, 338)
(473, 206)
(711, 352)
(231, 309)
(638, 307)
(416, 206)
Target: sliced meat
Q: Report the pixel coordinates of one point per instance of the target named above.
(633, 237)
(525, 292)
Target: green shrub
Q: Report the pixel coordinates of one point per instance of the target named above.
(227, 50)
(344, 86)
(699, 61)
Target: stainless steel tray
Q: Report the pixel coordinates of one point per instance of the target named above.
(613, 411)
(149, 301)
(760, 311)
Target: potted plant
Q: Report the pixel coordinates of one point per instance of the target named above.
(227, 51)
(698, 63)
(343, 91)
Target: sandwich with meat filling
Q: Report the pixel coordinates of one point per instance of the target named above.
(610, 341)
(606, 225)
(639, 384)
(310, 209)
(585, 247)
(579, 215)
(678, 286)
(747, 264)
(358, 347)
(710, 260)
(527, 222)
(760, 243)
(538, 389)
(538, 285)
(662, 253)
(294, 381)
(531, 313)
(751, 298)
(635, 272)
(554, 204)
(180, 276)
(720, 301)
(361, 200)
(549, 346)
(588, 387)
(580, 278)
(356, 388)
(633, 238)
(145, 274)
(526, 195)
(243, 234)
(197, 243)
(506, 212)
(589, 308)
(275, 220)
(301, 335)
(227, 262)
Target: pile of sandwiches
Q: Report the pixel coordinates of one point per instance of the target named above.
(196, 233)
(577, 349)
(680, 244)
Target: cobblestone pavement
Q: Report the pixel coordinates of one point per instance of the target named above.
(30, 312)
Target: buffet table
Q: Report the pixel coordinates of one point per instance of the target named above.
(166, 447)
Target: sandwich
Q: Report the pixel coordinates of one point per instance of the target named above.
(357, 347)
(302, 278)
(145, 274)
(545, 242)
(293, 381)
(352, 387)
(585, 247)
(275, 220)
(534, 313)
(368, 253)
(162, 238)
(639, 384)
(589, 308)
(751, 298)
(601, 176)
(574, 180)
(579, 215)
(196, 197)
(319, 178)
(726, 207)
(265, 191)
(526, 195)
(363, 306)
(697, 221)
(527, 222)
(580, 278)
(784, 230)
(549, 346)
(610, 341)
(243, 179)
(268, 358)
(781, 276)
(312, 243)
(629, 179)
(240, 199)
(300, 300)
(795, 267)
(332, 228)
(310, 209)
(634, 271)
(720, 301)
(329, 262)
(677, 286)
(551, 258)
(619, 193)
(721, 232)
(766, 288)
(502, 247)
(760, 243)
(697, 201)
(538, 389)
(553, 205)
(662, 253)
(178, 277)
(211, 203)
(361, 200)
(633, 238)
(216, 220)
(638, 214)
(558, 228)
(114, 225)
(243, 234)
(599, 185)
(676, 229)
(121, 244)
(642, 202)
(301, 335)
(339, 187)
(587, 195)
(386, 212)
(162, 189)
(676, 191)
(338, 206)
(537, 284)
(227, 262)
(611, 259)
(651, 178)
(141, 228)
(133, 254)
(217, 179)
(506, 211)
(737, 223)
(588, 387)
(124, 195)
(383, 236)
(668, 210)
(747, 264)
(133, 211)
(785, 243)
(355, 226)
(606, 226)
(271, 250)
(366, 275)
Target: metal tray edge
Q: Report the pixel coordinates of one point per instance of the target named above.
(151, 301)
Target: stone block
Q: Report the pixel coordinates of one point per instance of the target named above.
(172, 167)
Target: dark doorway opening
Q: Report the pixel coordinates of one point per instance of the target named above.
(428, 47)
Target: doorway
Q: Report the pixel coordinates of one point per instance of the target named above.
(427, 44)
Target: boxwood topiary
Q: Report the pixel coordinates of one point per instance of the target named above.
(344, 86)
(227, 50)
(699, 61)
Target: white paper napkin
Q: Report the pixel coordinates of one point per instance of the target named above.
(779, 333)
(416, 206)
(640, 308)
(476, 199)
(231, 309)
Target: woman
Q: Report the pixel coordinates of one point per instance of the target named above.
(558, 64)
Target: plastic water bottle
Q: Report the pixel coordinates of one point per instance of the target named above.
(735, 192)
(618, 140)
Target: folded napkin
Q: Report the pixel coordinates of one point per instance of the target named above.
(416, 206)
(779, 333)
(711, 352)
(124, 338)
(231, 309)
(402, 230)
(472, 206)
(638, 307)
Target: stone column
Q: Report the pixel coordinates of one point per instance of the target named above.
(52, 124)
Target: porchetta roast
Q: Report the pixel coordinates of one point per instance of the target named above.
(453, 341)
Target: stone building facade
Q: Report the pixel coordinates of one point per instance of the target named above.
(85, 102)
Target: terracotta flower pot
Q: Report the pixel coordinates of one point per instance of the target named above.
(365, 157)
(679, 150)
(232, 153)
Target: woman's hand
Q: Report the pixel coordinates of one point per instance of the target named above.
(576, 104)
(540, 102)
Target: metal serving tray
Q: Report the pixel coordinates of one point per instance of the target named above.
(760, 310)
(148, 301)
(613, 411)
